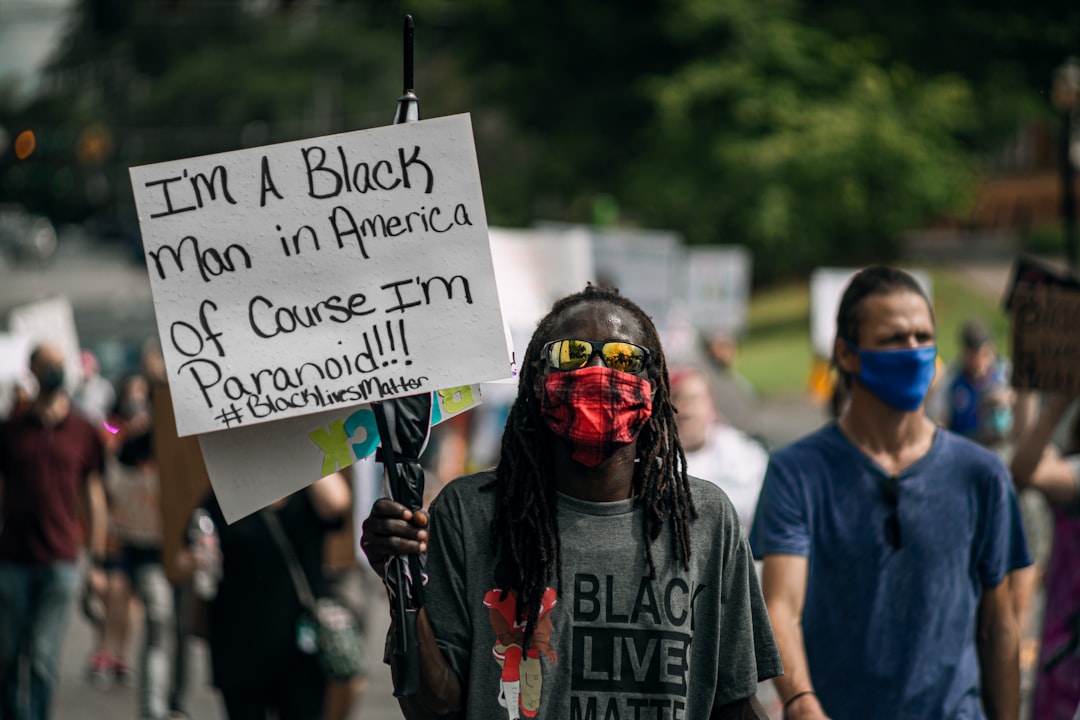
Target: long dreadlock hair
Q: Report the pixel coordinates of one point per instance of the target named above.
(524, 531)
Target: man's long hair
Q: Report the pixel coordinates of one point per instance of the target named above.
(525, 531)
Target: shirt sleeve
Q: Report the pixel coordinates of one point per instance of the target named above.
(744, 624)
(445, 590)
(781, 525)
(95, 454)
(1003, 546)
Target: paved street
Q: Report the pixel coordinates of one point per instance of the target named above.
(77, 699)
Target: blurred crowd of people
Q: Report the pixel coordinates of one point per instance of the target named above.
(83, 521)
(82, 514)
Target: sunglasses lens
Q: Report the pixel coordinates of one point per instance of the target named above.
(625, 357)
(569, 354)
(574, 354)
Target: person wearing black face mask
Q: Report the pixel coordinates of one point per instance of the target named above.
(888, 543)
(586, 575)
(50, 460)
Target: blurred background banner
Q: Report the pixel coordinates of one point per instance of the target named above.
(718, 289)
(534, 268)
(53, 321)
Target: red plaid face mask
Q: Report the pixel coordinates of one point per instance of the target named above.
(596, 409)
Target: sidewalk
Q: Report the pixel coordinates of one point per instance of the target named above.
(77, 699)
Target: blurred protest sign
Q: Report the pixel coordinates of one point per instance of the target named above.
(254, 465)
(645, 265)
(14, 369)
(322, 273)
(51, 321)
(718, 289)
(1028, 272)
(533, 269)
(1045, 306)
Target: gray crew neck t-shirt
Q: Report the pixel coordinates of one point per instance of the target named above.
(613, 643)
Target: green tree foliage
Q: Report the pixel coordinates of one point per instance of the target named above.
(807, 148)
(813, 131)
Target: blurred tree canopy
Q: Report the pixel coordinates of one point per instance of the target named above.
(813, 131)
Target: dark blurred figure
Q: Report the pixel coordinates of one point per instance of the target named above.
(134, 492)
(125, 430)
(347, 581)
(254, 618)
(1039, 465)
(50, 460)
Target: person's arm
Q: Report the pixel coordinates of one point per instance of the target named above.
(998, 641)
(96, 511)
(745, 709)
(1037, 464)
(330, 497)
(784, 585)
(1025, 411)
(392, 529)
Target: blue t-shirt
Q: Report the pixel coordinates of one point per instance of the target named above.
(890, 632)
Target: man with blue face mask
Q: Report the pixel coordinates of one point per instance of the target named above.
(887, 542)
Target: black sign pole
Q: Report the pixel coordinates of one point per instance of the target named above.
(404, 424)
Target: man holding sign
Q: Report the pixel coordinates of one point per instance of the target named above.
(585, 575)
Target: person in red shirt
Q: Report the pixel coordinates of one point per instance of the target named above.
(51, 462)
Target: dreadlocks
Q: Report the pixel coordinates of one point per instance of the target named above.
(525, 532)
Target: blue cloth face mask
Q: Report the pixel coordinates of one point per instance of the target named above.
(899, 378)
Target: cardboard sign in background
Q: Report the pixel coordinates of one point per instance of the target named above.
(184, 480)
(324, 273)
(1046, 338)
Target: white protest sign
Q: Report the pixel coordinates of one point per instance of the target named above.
(718, 288)
(827, 286)
(533, 269)
(14, 369)
(50, 321)
(645, 265)
(328, 272)
(254, 465)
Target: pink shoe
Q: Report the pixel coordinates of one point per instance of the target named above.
(99, 669)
